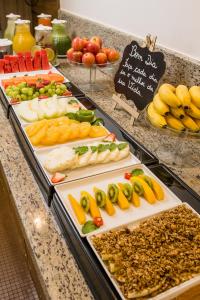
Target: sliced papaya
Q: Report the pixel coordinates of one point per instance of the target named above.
(56, 77)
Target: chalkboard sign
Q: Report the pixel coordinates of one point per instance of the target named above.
(139, 73)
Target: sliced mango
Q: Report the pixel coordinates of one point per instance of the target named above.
(32, 129)
(148, 193)
(97, 131)
(122, 201)
(84, 131)
(51, 137)
(135, 199)
(94, 210)
(78, 210)
(154, 185)
(39, 136)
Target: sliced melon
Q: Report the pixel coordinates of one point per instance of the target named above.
(29, 115)
(52, 109)
(62, 106)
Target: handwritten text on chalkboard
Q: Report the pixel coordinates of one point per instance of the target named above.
(139, 73)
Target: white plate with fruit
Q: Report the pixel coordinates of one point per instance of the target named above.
(115, 198)
(49, 108)
(27, 87)
(68, 163)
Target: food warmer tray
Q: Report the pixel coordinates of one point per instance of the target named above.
(5, 103)
(93, 272)
(139, 151)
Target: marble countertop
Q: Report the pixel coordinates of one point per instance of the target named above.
(59, 272)
(60, 275)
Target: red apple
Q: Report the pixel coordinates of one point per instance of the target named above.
(96, 39)
(88, 59)
(85, 42)
(84, 50)
(113, 55)
(70, 53)
(77, 44)
(77, 56)
(101, 58)
(105, 50)
(93, 47)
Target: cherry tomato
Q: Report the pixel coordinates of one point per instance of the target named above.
(98, 221)
(43, 97)
(14, 101)
(67, 93)
(127, 175)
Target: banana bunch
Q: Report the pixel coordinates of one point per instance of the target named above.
(176, 107)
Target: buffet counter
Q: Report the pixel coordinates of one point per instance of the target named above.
(54, 263)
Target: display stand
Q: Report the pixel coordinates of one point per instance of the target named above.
(175, 148)
(91, 85)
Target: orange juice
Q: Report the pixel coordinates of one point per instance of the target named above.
(44, 19)
(23, 40)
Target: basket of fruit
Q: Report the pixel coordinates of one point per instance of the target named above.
(176, 108)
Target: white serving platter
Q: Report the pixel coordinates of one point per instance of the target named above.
(23, 122)
(19, 74)
(121, 217)
(87, 171)
(71, 143)
(166, 295)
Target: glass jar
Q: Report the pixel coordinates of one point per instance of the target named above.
(23, 40)
(43, 36)
(5, 47)
(61, 40)
(10, 29)
(44, 19)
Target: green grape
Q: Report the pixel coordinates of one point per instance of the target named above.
(58, 91)
(16, 89)
(21, 85)
(36, 94)
(24, 90)
(15, 94)
(30, 92)
(23, 97)
(42, 90)
(18, 97)
(29, 97)
(8, 90)
(62, 87)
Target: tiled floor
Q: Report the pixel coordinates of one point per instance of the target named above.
(15, 280)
